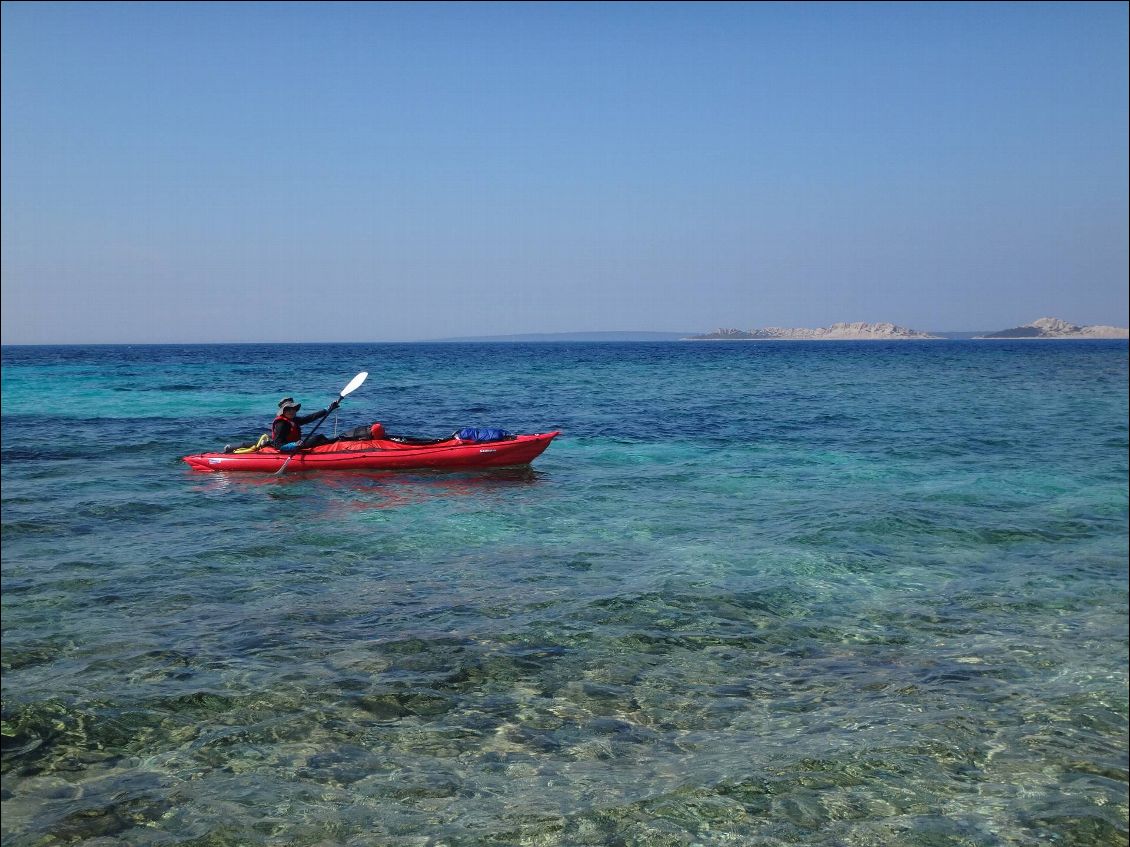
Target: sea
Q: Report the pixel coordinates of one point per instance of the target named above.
(756, 593)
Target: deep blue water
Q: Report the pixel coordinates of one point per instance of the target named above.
(835, 593)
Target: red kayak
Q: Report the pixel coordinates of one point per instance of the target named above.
(384, 454)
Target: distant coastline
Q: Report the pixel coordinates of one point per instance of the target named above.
(858, 331)
(563, 337)
(1054, 328)
(1043, 328)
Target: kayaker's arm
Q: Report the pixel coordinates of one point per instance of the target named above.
(302, 420)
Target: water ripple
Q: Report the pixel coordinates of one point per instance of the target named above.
(755, 594)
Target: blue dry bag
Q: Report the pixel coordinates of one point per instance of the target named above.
(479, 436)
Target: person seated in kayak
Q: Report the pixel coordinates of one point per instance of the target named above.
(286, 429)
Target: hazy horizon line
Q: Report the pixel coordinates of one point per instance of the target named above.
(531, 338)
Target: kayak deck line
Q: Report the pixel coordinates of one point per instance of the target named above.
(382, 454)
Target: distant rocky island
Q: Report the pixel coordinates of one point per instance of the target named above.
(1056, 328)
(858, 331)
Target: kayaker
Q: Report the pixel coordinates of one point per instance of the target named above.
(286, 429)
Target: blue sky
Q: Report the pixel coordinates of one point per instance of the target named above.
(383, 172)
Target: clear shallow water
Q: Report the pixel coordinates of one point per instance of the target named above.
(818, 594)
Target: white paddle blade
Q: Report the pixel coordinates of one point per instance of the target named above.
(354, 383)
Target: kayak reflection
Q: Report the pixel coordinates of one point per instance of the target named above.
(364, 490)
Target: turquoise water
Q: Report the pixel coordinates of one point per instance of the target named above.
(766, 594)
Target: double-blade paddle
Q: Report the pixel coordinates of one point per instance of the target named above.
(354, 384)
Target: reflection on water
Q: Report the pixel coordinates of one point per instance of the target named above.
(368, 489)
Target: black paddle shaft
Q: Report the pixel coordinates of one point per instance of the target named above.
(302, 443)
(349, 389)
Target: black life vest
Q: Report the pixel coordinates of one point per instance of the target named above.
(292, 432)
